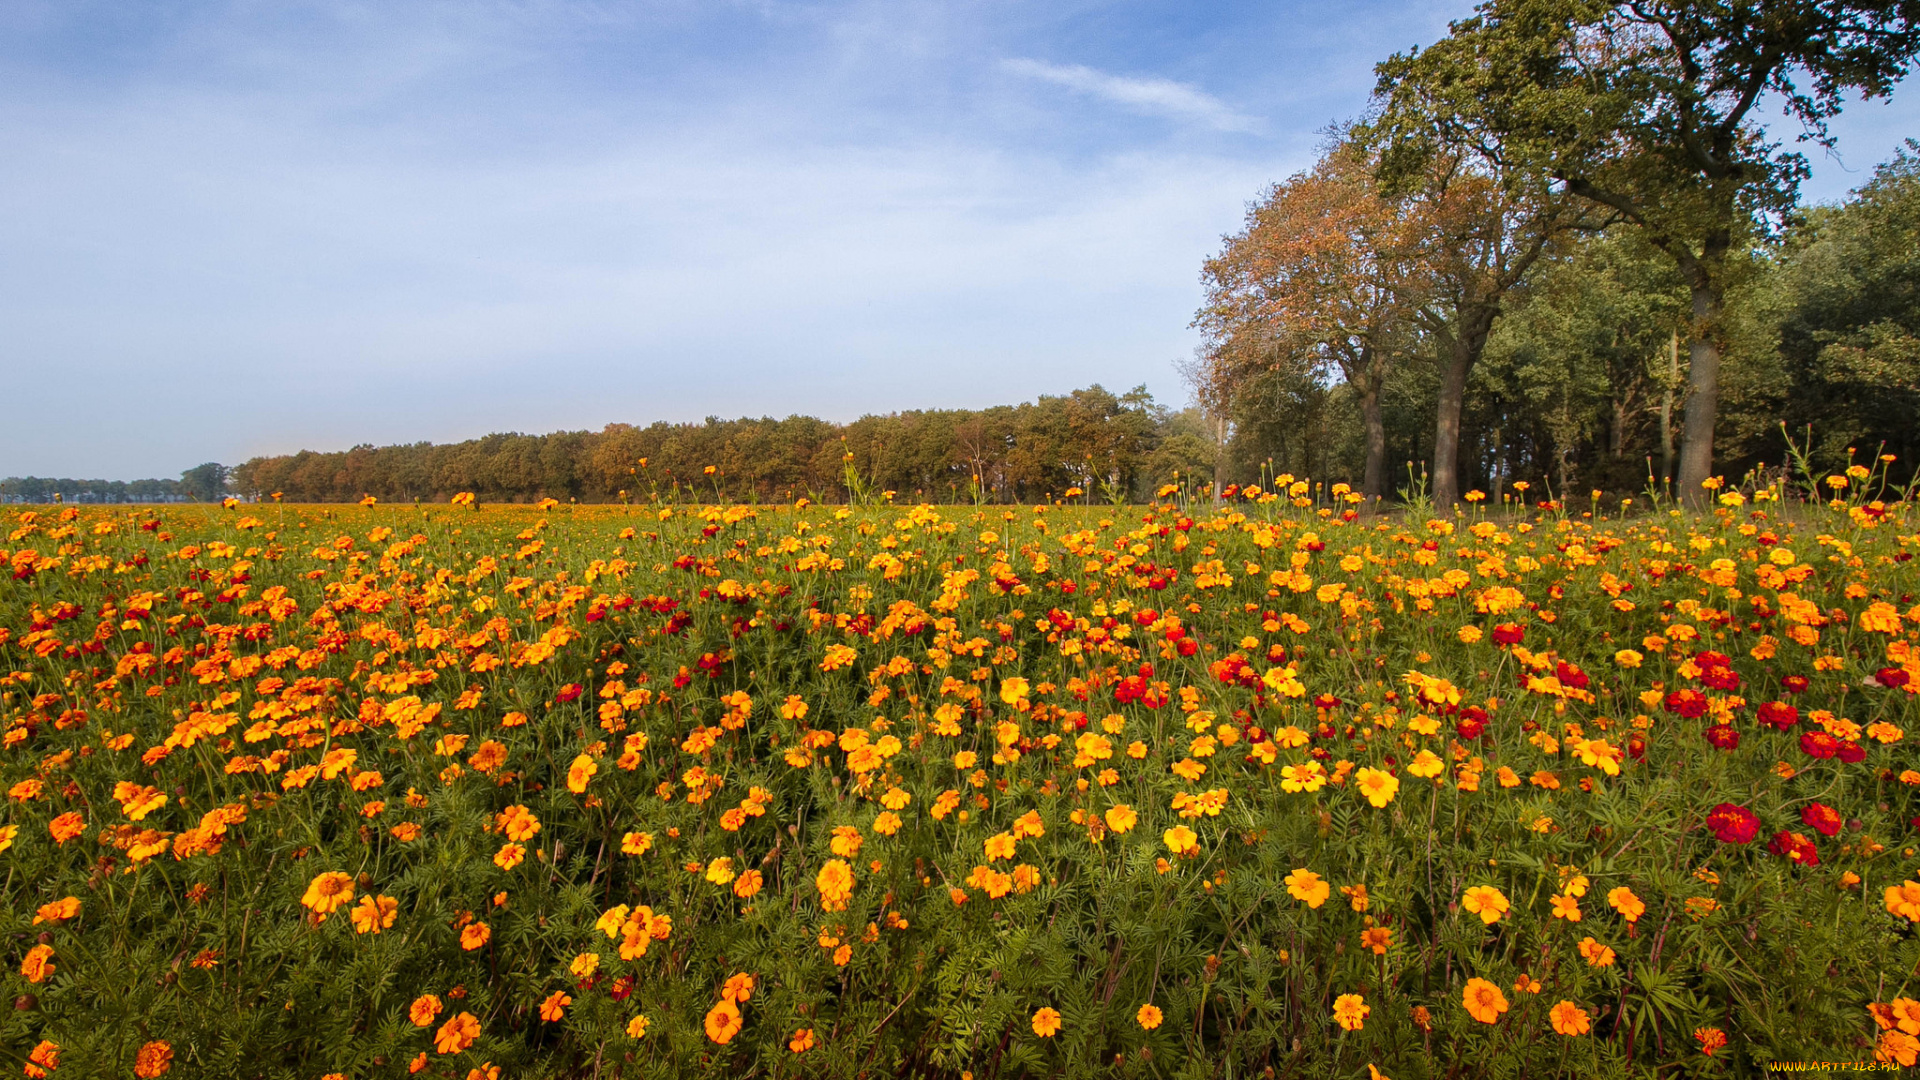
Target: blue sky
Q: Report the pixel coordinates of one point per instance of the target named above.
(230, 229)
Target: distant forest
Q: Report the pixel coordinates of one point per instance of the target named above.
(1091, 441)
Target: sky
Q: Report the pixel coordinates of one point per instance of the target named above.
(230, 229)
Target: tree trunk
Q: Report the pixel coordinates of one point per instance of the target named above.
(1373, 481)
(1666, 412)
(1703, 390)
(1469, 341)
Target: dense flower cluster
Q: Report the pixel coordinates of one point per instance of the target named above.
(1033, 790)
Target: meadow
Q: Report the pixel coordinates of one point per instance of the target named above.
(1269, 788)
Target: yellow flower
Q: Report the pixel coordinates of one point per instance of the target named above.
(1306, 886)
(1181, 840)
(1378, 786)
(1149, 1016)
(1487, 902)
(1121, 818)
(1350, 1010)
(328, 892)
(1566, 907)
(637, 1027)
(835, 882)
(1013, 690)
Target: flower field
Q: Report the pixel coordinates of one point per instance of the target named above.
(1271, 788)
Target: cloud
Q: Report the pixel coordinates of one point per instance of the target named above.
(1159, 97)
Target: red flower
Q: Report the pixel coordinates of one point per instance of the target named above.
(1819, 744)
(1795, 847)
(1821, 817)
(1852, 752)
(1689, 703)
(1723, 736)
(1892, 678)
(1720, 678)
(1795, 684)
(567, 693)
(1509, 634)
(1570, 675)
(1470, 727)
(1733, 824)
(1779, 715)
(1708, 660)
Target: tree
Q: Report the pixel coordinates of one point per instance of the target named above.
(206, 482)
(1319, 281)
(1647, 108)
(1850, 332)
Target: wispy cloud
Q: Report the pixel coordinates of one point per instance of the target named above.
(1158, 97)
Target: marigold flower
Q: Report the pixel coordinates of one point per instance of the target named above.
(510, 855)
(1378, 786)
(1046, 1022)
(1596, 954)
(1629, 906)
(328, 893)
(1570, 1019)
(1121, 818)
(637, 1027)
(1710, 1039)
(1566, 907)
(723, 1022)
(1350, 1011)
(555, 1006)
(1306, 886)
(835, 882)
(57, 911)
(1149, 1016)
(1487, 902)
(1181, 840)
(1483, 1000)
(153, 1059)
(67, 826)
(1903, 900)
(38, 963)
(1733, 824)
(738, 988)
(1376, 938)
(459, 1032)
(424, 1010)
(42, 1059)
(475, 935)
(374, 914)
(1897, 1047)
(802, 1041)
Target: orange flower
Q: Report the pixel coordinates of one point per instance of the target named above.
(374, 914)
(802, 1041)
(459, 1032)
(1710, 1039)
(1483, 1000)
(475, 935)
(1487, 902)
(42, 1059)
(1377, 938)
(580, 773)
(1306, 886)
(1903, 900)
(723, 1022)
(1630, 907)
(154, 1059)
(1121, 817)
(38, 963)
(1596, 954)
(738, 989)
(555, 1007)
(518, 822)
(1181, 840)
(67, 826)
(424, 1009)
(1046, 1022)
(328, 892)
(57, 911)
(1569, 1019)
(1149, 1016)
(835, 882)
(1350, 1011)
(510, 855)
(748, 885)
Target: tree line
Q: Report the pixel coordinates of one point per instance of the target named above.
(1091, 443)
(1561, 247)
